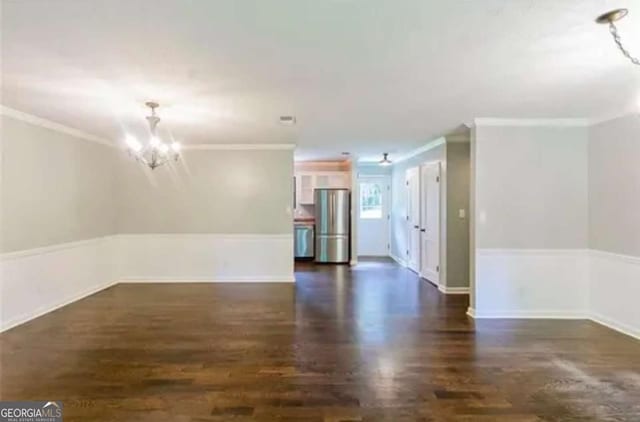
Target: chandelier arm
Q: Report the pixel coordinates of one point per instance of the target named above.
(618, 40)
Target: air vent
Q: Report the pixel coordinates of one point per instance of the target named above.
(288, 120)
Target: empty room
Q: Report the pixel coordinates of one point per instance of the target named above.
(319, 210)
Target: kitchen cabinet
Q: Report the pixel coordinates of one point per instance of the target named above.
(308, 181)
(307, 185)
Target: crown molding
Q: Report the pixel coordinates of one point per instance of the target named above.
(51, 125)
(614, 116)
(77, 133)
(237, 147)
(429, 146)
(490, 121)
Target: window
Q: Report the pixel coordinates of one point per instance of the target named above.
(370, 200)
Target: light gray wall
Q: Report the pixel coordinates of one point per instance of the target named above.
(531, 187)
(614, 186)
(399, 236)
(472, 219)
(458, 179)
(210, 191)
(55, 188)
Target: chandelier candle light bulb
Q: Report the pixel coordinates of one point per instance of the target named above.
(156, 152)
(133, 144)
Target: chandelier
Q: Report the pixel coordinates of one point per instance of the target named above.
(610, 18)
(155, 153)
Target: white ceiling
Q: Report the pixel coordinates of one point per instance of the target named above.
(364, 76)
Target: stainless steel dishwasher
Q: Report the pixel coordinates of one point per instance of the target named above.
(304, 240)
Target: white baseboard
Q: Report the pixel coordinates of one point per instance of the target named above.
(41, 280)
(50, 307)
(400, 262)
(219, 257)
(521, 283)
(453, 290)
(152, 280)
(599, 319)
(616, 325)
(510, 314)
(592, 285)
(614, 285)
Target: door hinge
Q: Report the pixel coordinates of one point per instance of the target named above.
(388, 246)
(407, 183)
(437, 178)
(407, 251)
(438, 268)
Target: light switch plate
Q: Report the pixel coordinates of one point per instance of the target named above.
(462, 213)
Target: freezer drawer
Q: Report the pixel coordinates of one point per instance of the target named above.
(303, 241)
(332, 249)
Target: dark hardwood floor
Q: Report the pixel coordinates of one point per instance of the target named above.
(368, 343)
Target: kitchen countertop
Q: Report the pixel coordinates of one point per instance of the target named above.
(304, 221)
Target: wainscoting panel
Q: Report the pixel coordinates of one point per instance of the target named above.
(531, 283)
(205, 257)
(615, 291)
(41, 280)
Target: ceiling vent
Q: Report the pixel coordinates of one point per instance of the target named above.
(288, 120)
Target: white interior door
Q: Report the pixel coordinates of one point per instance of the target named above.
(413, 219)
(430, 222)
(373, 216)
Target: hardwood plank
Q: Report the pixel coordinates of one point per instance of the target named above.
(371, 343)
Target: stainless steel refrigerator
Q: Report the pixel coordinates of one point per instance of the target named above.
(333, 210)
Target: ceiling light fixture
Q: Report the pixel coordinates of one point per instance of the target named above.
(610, 18)
(385, 160)
(156, 152)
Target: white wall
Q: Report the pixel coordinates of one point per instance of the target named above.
(57, 208)
(204, 257)
(574, 252)
(66, 201)
(218, 215)
(614, 186)
(614, 223)
(531, 206)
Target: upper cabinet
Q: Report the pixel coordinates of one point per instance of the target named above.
(306, 185)
(308, 181)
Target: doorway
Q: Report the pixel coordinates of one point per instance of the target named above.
(373, 215)
(423, 220)
(430, 222)
(413, 219)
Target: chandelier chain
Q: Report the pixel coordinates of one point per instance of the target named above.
(616, 38)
